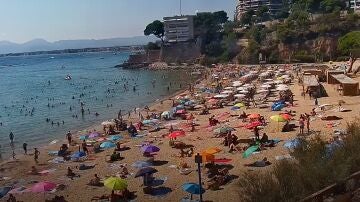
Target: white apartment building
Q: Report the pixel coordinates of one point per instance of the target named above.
(179, 28)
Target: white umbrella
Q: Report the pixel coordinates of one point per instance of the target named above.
(243, 92)
(221, 96)
(241, 88)
(236, 84)
(228, 88)
(108, 123)
(262, 91)
(227, 92)
(282, 88)
(239, 95)
(265, 86)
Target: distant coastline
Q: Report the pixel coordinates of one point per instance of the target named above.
(78, 50)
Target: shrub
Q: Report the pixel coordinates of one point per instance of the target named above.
(315, 166)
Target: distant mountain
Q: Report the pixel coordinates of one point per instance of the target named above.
(43, 45)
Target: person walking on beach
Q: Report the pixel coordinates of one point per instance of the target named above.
(11, 137)
(84, 147)
(301, 124)
(25, 148)
(69, 137)
(36, 155)
(308, 124)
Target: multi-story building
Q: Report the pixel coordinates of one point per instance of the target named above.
(179, 28)
(355, 4)
(246, 5)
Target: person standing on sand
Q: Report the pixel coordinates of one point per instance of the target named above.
(69, 137)
(11, 137)
(25, 148)
(308, 124)
(36, 155)
(84, 147)
(301, 124)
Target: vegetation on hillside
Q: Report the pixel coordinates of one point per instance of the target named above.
(293, 180)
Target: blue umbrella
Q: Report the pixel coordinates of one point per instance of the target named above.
(180, 107)
(114, 137)
(84, 137)
(192, 188)
(141, 164)
(78, 154)
(150, 148)
(4, 191)
(107, 145)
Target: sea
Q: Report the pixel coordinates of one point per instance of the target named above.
(38, 105)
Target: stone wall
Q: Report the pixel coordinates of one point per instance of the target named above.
(186, 52)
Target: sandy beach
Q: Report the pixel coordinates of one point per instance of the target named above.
(170, 180)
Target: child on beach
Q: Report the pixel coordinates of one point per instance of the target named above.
(36, 155)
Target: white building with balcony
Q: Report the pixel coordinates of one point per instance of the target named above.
(246, 5)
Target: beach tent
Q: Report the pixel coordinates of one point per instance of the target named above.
(250, 150)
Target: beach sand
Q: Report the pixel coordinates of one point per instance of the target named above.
(202, 138)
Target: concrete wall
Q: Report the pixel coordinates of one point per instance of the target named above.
(186, 52)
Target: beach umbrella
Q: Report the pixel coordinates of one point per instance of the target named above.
(265, 86)
(115, 183)
(286, 116)
(150, 148)
(180, 111)
(278, 118)
(94, 135)
(207, 157)
(178, 107)
(239, 95)
(43, 187)
(221, 96)
(114, 137)
(108, 123)
(212, 101)
(189, 103)
(212, 150)
(228, 88)
(282, 88)
(223, 130)
(254, 116)
(227, 92)
(262, 91)
(141, 164)
(241, 89)
(78, 154)
(145, 171)
(107, 145)
(83, 137)
(177, 133)
(4, 191)
(193, 188)
(239, 105)
(250, 150)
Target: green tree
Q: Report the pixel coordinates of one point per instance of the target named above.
(247, 18)
(156, 28)
(349, 44)
(328, 6)
(263, 13)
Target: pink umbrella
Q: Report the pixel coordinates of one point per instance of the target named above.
(181, 111)
(43, 187)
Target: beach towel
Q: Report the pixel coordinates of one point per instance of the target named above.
(250, 150)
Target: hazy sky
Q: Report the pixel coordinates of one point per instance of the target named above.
(24, 20)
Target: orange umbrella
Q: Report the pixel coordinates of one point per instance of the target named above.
(254, 116)
(212, 150)
(286, 116)
(207, 157)
(177, 133)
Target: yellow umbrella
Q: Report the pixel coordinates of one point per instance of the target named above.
(278, 118)
(239, 105)
(115, 183)
(212, 150)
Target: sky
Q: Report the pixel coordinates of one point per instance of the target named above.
(52, 20)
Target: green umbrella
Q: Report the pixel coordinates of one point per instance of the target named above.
(115, 183)
(250, 150)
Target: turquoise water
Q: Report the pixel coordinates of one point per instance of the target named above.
(33, 89)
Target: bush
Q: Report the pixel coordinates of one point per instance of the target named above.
(314, 167)
(305, 58)
(342, 58)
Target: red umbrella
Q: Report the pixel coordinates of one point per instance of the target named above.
(253, 125)
(177, 133)
(286, 116)
(181, 111)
